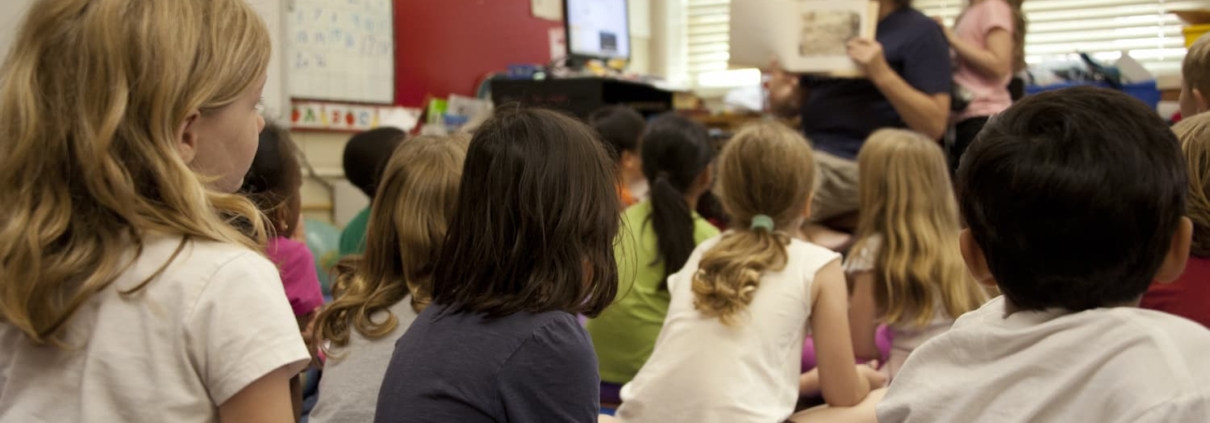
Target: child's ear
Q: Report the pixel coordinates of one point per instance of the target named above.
(186, 137)
(806, 211)
(630, 160)
(976, 262)
(1178, 253)
(1202, 105)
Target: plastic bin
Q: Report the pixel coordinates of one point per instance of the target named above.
(1144, 91)
(1193, 32)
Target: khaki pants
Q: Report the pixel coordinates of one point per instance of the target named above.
(836, 187)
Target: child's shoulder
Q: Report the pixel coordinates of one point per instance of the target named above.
(810, 253)
(192, 264)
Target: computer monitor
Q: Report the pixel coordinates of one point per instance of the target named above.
(597, 29)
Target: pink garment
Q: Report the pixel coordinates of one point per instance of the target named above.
(991, 96)
(297, 268)
(883, 338)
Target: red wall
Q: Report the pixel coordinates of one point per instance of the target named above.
(448, 46)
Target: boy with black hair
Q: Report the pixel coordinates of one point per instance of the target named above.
(1075, 201)
(365, 157)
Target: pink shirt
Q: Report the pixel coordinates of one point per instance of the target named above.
(991, 96)
(298, 275)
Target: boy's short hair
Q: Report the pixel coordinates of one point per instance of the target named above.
(366, 156)
(1196, 68)
(620, 127)
(1074, 197)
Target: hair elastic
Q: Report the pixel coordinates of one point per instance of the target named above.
(762, 221)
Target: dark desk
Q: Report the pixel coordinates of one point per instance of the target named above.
(581, 96)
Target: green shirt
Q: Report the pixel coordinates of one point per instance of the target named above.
(353, 239)
(624, 335)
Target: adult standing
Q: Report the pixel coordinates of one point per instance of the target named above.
(988, 42)
(907, 85)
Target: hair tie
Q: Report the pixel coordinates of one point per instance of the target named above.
(762, 221)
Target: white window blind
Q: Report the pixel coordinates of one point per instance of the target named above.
(1104, 28)
(1057, 28)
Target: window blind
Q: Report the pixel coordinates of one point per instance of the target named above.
(1104, 28)
(1057, 28)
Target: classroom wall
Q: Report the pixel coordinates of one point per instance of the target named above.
(448, 46)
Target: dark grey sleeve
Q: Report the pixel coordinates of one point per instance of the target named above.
(552, 378)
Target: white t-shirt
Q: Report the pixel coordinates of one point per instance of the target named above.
(348, 391)
(1108, 365)
(216, 320)
(705, 372)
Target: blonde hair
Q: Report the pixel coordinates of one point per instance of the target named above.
(906, 198)
(1194, 133)
(766, 169)
(1196, 68)
(416, 197)
(91, 97)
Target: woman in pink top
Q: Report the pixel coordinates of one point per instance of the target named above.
(988, 44)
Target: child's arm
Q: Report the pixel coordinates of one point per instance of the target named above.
(863, 316)
(840, 383)
(266, 400)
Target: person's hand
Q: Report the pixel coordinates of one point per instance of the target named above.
(783, 89)
(871, 374)
(868, 55)
(949, 32)
(780, 81)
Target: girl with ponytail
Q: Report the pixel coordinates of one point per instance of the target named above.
(656, 239)
(730, 346)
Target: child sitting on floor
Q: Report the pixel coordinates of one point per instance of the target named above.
(1075, 201)
(905, 270)
(730, 346)
(1189, 295)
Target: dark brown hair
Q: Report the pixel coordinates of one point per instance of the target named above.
(535, 223)
(274, 179)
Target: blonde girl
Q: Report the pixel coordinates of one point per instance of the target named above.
(126, 291)
(906, 270)
(380, 293)
(731, 345)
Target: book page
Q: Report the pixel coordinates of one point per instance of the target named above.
(807, 36)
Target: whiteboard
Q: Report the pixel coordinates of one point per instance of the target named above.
(342, 50)
(273, 12)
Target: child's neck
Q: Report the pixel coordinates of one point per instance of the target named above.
(1009, 308)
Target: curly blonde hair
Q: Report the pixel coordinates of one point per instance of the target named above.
(91, 97)
(766, 169)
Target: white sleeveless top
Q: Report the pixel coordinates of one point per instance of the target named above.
(703, 371)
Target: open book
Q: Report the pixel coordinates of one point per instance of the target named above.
(806, 36)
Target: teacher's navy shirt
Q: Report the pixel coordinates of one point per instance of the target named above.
(839, 114)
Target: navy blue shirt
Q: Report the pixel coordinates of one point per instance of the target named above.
(464, 368)
(839, 114)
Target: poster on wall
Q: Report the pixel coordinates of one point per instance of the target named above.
(806, 36)
(350, 117)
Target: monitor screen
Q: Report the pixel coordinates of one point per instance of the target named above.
(598, 28)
